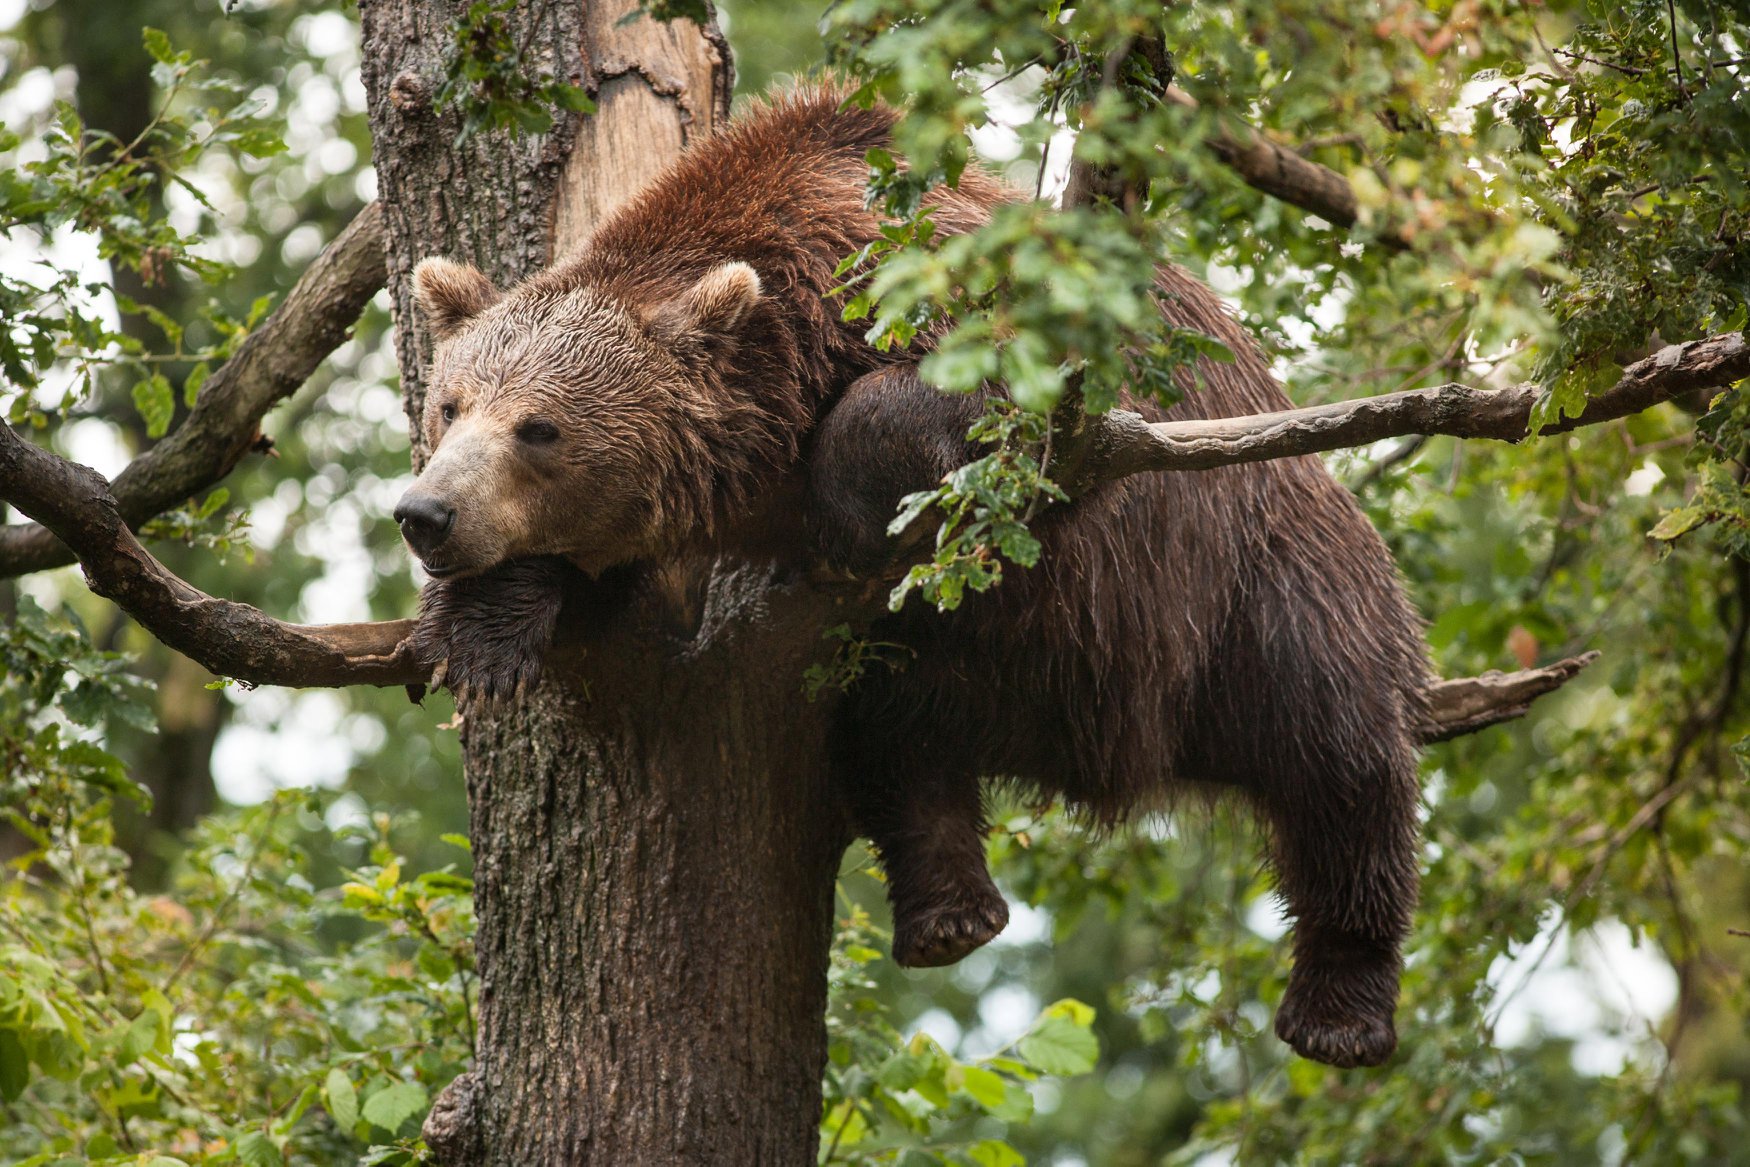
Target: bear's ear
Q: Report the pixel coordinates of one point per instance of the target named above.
(713, 308)
(450, 294)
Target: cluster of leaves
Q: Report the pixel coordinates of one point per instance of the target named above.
(489, 78)
(852, 657)
(1633, 126)
(890, 1100)
(1038, 300)
(90, 181)
(246, 1017)
(985, 506)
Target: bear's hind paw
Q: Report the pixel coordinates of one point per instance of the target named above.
(943, 935)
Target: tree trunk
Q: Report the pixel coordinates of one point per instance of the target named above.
(654, 841)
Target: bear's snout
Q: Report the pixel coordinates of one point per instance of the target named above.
(425, 522)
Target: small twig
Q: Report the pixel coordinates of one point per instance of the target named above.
(534, 27)
(1402, 452)
(218, 916)
(1626, 70)
(1013, 73)
(1676, 56)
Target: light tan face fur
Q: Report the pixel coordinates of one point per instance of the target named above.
(545, 414)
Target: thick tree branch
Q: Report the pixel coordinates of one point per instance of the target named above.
(1123, 443)
(1276, 170)
(269, 366)
(234, 640)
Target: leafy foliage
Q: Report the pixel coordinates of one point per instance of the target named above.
(985, 507)
(89, 180)
(890, 1100)
(248, 1016)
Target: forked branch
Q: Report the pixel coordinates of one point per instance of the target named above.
(269, 366)
(233, 640)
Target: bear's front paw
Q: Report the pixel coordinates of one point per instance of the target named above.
(485, 637)
(945, 931)
(481, 663)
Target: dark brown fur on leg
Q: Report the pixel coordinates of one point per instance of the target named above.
(929, 828)
(486, 635)
(1329, 764)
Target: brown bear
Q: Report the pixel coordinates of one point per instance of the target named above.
(675, 384)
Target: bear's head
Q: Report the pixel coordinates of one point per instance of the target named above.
(562, 421)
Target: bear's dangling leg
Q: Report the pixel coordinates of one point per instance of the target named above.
(1346, 856)
(930, 832)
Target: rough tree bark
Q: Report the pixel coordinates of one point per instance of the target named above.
(654, 845)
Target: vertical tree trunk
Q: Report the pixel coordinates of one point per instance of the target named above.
(654, 842)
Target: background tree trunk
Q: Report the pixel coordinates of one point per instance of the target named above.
(654, 843)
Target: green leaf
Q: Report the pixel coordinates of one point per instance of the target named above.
(191, 387)
(157, 404)
(343, 1100)
(1680, 522)
(255, 1149)
(14, 1066)
(392, 1106)
(140, 1039)
(983, 1087)
(1061, 1042)
(574, 98)
(158, 44)
(991, 1153)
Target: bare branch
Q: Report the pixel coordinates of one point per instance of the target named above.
(1124, 443)
(1467, 704)
(269, 366)
(231, 639)
(1276, 170)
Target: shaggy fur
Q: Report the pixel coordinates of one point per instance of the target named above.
(1234, 630)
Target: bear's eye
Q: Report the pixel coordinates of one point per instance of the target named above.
(538, 431)
(448, 412)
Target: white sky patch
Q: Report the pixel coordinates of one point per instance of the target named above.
(1267, 916)
(939, 1024)
(1005, 1013)
(1011, 103)
(1641, 482)
(97, 444)
(1597, 988)
(1027, 925)
(339, 594)
(280, 739)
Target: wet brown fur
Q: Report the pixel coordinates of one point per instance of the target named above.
(1238, 629)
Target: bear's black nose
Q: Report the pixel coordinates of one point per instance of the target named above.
(425, 522)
